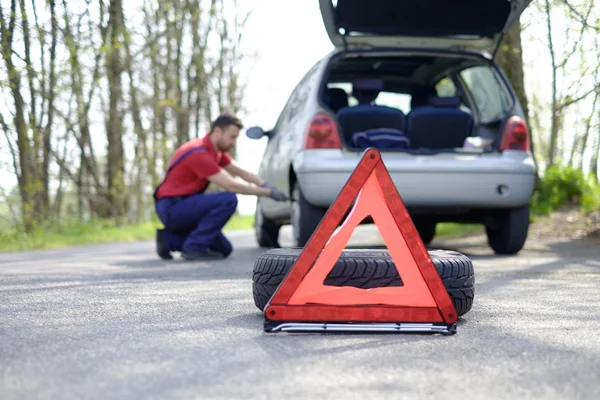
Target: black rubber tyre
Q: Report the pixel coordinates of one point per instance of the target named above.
(366, 269)
(265, 230)
(305, 218)
(510, 230)
(426, 231)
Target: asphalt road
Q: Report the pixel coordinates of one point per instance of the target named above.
(114, 322)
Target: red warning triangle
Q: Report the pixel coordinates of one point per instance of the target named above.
(423, 298)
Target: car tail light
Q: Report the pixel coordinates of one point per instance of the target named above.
(515, 135)
(323, 133)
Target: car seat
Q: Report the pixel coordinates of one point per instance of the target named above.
(367, 116)
(440, 124)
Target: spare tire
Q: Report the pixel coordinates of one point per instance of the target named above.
(365, 268)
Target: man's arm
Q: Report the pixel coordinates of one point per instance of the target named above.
(234, 169)
(224, 179)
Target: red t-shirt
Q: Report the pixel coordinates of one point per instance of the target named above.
(190, 175)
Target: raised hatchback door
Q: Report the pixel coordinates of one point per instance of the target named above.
(467, 24)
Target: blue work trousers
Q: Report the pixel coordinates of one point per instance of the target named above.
(195, 223)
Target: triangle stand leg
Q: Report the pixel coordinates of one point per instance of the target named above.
(307, 327)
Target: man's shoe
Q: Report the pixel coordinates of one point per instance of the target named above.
(161, 249)
(202, 255)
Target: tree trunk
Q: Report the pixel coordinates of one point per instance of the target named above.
(27, 180)
(141, 146)
(182, 114)
(47, 141)
(40, 206)
(510, 58)
(596, 154)
(87, 163)
(552, 151)
(115, 158)
(586, 134)
(151, 22)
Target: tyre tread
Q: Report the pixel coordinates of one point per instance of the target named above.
(366, 269)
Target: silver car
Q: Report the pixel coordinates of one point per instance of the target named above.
(417, 81)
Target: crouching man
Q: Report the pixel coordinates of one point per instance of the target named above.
(194, 220)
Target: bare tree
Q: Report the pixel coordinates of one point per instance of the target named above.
(74, 71)
(562, 101)
(28, 175)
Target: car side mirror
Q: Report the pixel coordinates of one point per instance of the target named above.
(256, 132)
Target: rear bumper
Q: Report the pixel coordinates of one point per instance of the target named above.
(443, 180)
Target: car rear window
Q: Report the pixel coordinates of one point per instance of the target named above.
(489, 95)
(401, 101)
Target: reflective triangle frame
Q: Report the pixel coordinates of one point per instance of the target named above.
(302, 303)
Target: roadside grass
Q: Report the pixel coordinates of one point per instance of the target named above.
(450, 230)
(97, 232)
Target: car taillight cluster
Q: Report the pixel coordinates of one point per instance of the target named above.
(515, 135)
(323, 133)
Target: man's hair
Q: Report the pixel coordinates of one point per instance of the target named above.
(224, 120)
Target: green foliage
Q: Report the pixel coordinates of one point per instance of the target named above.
(451, 230)
(590, 201)
(566, 186)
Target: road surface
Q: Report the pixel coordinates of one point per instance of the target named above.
(114, 322)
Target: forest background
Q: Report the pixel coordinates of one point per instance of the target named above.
(96, 94)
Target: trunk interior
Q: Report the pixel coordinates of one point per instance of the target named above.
(424, 17)
(417, 103)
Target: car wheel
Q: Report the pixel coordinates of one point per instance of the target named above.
(266, 230)
(366, 269)
(305, 218)
(426, 231)
(509, 232)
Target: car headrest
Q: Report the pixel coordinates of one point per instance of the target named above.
(365, 91)
(367, 84)
(446, 102)
(420, 96)
(336, 98)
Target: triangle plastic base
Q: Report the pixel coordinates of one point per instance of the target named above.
(325, 327)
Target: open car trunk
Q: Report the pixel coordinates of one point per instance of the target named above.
(423, 103)
(467, 24)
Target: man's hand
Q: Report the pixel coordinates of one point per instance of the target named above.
(277, 194)
(227, 182)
